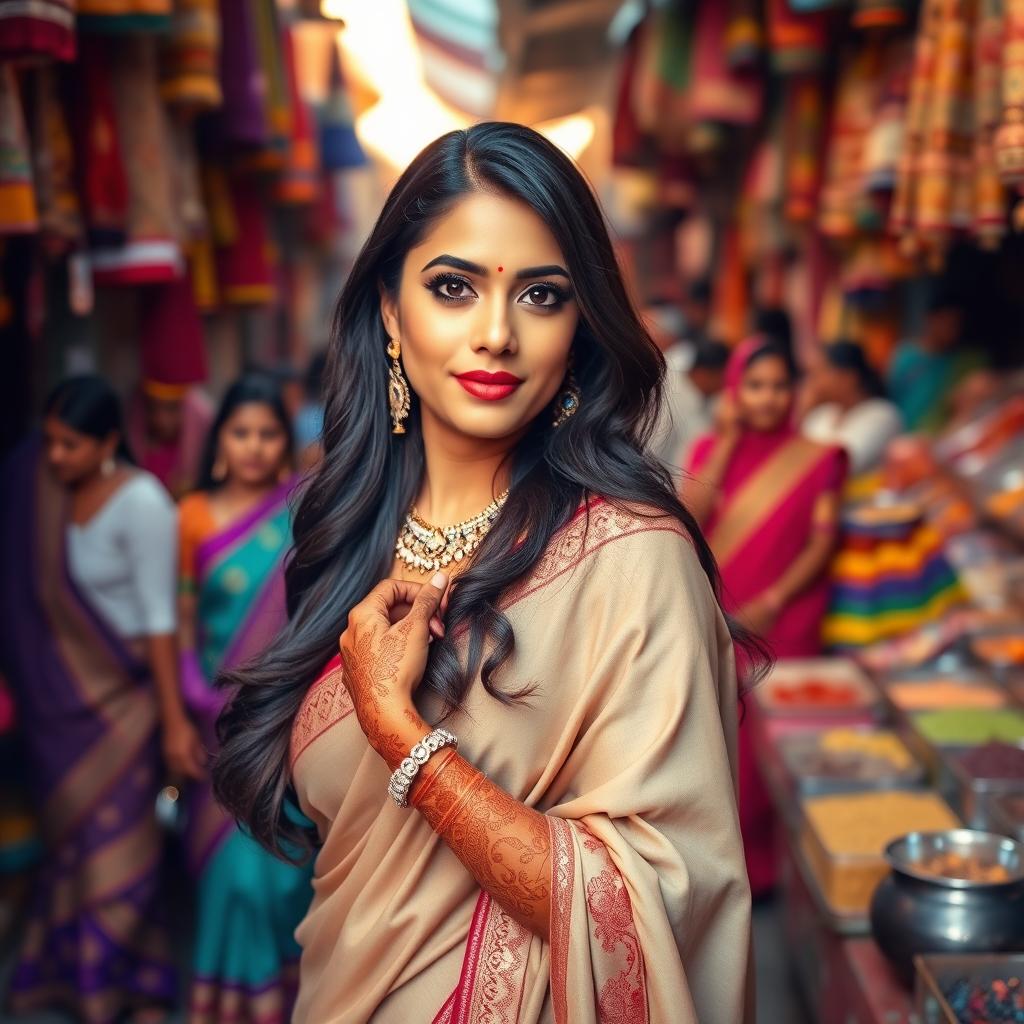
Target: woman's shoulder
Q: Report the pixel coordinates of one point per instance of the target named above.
(626, 538)
(143, 493)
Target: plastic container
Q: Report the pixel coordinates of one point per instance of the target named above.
(971, 792)
(844, 837)
(848, 759)
(833, 687)
(938, 973)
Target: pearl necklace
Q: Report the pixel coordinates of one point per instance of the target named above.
(427, 548)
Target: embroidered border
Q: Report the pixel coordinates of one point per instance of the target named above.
(563, 874)
(327, 703)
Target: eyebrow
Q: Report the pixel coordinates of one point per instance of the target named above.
(547, 270)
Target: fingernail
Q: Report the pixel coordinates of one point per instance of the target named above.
(439, 579)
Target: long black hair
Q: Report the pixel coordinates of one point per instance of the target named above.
(350, 513)
(89, 405)
(254, 387)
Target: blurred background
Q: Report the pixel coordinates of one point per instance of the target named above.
(184, 183)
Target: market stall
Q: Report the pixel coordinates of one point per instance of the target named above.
(897, 767)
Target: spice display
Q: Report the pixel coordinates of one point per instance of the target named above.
(816, 693)
(994, 761)
(966, 727)
(920, 694)
(973, 1002)
(963, 866)
(854, 755)
(845, 837)
(816, 685)
(1007, 649)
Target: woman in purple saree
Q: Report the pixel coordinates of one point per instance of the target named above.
(88, 594)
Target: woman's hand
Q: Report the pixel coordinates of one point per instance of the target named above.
(184, 753)
(384, 652)
(761, 614)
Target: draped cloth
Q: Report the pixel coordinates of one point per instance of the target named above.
(627, 744)
(94, 941)
(249, 902)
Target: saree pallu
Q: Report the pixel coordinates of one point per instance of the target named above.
(249, 902)
(627, 744)
(94, 939)
(763, 522)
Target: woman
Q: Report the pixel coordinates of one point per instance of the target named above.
(768, 500)
(853, 413)
(234, 534)
(88, 645)
(580, 847)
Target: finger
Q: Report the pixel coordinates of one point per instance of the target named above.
(429, 597)
(389, 594)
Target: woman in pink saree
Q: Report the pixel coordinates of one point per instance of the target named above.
(768, 500)
(520, 765)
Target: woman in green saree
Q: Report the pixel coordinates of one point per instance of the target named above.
(235, 533)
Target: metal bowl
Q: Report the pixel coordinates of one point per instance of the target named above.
(905, 854)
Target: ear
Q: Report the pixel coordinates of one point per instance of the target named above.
(110, 444)
(389, 312)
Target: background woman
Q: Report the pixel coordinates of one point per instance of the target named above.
(853, 412)
(769, 501)
(234, 535)
(88, 645)
(581, 847)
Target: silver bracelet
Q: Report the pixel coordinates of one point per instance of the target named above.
(402, 777)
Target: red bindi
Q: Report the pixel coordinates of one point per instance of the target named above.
(500, 269)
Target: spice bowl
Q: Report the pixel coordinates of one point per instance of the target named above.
(954, 891)
(948, 988)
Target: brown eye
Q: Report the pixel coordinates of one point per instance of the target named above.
(454, 289)
(542, 295)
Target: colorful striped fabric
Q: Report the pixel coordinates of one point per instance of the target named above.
(882, 589)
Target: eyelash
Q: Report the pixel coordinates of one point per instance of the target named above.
(434, 284)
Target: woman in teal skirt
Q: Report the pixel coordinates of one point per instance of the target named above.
(235, 532)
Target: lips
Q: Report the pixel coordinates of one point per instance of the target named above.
(491, 387)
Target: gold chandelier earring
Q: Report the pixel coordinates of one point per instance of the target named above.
(567, 403)
(399, 396)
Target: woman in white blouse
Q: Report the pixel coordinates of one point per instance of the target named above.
(854, 413)
(89, 547)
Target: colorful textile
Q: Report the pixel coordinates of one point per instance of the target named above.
(300, 178)
(53, 161)
(245, 265)
(189, 56)
(797, 40)
(243, 118)
(883, 589)
(249, 902)
(124, 16)
(38, 28)
(150, 251)
(18, 213)
(94, 941)
(617, 625)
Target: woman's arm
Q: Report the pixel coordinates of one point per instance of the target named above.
(700, 488)
(152, 539)
(502, 842)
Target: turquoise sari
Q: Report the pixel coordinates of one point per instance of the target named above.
(249, 902)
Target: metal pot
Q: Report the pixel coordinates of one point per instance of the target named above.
(914, 912)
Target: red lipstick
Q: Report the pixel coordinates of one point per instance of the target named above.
(491, 387)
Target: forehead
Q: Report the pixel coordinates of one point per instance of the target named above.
(766, 367)
(490, 229)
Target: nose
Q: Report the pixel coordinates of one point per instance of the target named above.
(496, 335)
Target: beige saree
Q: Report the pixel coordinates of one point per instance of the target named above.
(627, 744)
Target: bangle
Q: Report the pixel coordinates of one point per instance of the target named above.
(402, 777)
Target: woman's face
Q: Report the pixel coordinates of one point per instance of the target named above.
(253, 445)
(485, 315)
(73, 456)
(765, 395)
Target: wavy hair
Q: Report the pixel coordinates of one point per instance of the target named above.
(352, 508)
